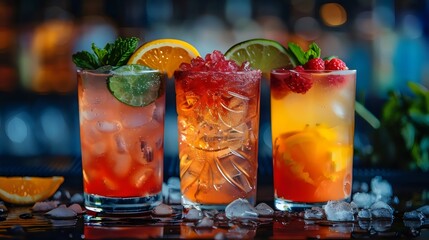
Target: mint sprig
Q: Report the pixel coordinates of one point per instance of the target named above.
(300, 56)
(113, 54)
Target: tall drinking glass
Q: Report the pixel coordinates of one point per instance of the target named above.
(218, 124)
(312, 120)
(122, 145)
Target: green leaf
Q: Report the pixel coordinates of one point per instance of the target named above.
(113, 54)
(100, 53)
(418, 89)
(418, 117)
(408, 132)
(85, 60)
(121, 50)
(314, 51)
(297, 52)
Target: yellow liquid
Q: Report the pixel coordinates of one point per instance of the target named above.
(312, 136)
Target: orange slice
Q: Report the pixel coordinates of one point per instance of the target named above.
(165, 55)
(28, 190)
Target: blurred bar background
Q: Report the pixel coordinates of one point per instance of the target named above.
(385, 40)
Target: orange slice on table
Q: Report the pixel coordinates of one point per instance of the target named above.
(28, 190)
(165, 55)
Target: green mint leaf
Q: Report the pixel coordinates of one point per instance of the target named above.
(113, 54)
(120, 51)
(85, 60)
(101, 54)
(315, 50)
(297, 52)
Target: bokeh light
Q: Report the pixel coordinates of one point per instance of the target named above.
(333, 14)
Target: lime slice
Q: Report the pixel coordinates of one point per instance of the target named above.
(135, 85)
(262, 54)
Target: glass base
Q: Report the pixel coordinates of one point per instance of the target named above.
(285, 205)
(111, 205)
(201, 206)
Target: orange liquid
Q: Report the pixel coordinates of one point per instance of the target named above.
(218, 121)
(122, 146)
(312, 137)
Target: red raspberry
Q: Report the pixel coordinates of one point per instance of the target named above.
(315, 64)
(299, 68)
(335, 80)
(297, 83)
(335, 64)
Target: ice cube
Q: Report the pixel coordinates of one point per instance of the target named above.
(174, 196)
(237, 168)
(77, 198)
(44, 206)
(163, 210)
(338, 211)
(146, 155)
(363, 200)
(173, 182)
(211, 213)
(91, 113)
(61, 213)
(240, 208)
(264, 210)
(139, 117)
(382, 205)
(76, 208)
(122, 164)
(140, 177)
(414, 215)
(424, 210)
(381, 188)
(98, 148)
(364, 214)
(107, 126)
(206, 222)
(120, 144)
(193, 214)
(315, 213)
(381, 213)
(165, 191)
(382, 225)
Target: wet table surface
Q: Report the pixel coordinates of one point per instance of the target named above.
(411, 190)
(20, 223)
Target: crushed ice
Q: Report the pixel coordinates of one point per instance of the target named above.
(240, 208)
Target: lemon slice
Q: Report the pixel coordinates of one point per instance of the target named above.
(165, 55)
(262, 54)
(28, 190)
(135, 85)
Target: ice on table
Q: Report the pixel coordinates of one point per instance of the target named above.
(315, 213)
(381, 188)
(424, 210)
(163, 209)
(240, 208)
(339, 211)
(363, 200)
(206, 222)
(193, 214)
(364, 214)
(414, 215)
(264, 210)
(381, 210)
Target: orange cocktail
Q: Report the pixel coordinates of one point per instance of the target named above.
(218, 121)
(312, 115)
(122, 139)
